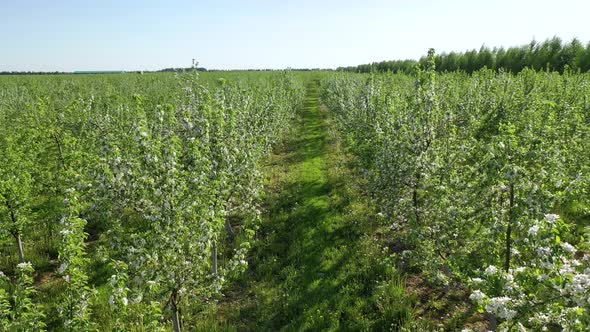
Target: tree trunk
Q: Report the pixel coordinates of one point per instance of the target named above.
(214, 257)
(230, 231)
(175, 312)
(509, 229)
(493, 322)
(59, 151)
(415, 201)
(16, 234)
(19, 245)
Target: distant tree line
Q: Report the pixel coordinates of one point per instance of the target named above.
(89, 72)
(271, 69)
(166, 70)
(180, 70)
(32, 73)
(552, 54)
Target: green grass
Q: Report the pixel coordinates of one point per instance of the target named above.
(316, 265)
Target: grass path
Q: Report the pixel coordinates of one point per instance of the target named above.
(315, 266)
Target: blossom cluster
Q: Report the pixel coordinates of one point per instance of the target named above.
(549, 287)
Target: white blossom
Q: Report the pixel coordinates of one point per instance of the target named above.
(477, 296)
(491, 270)
(499, 306)
(62, 267)
(24, 265)
(580, 284)
(543, 251)
(568, 247)
(551, 218)
(566, 269)
(476, 280)
(533, 230)
(65, 232)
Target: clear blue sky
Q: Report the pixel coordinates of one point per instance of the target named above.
(134, 35)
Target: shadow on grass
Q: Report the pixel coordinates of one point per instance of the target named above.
(315, 266)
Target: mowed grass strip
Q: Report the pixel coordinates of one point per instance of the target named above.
(317, 265)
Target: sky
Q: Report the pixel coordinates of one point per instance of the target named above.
(70, 35)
